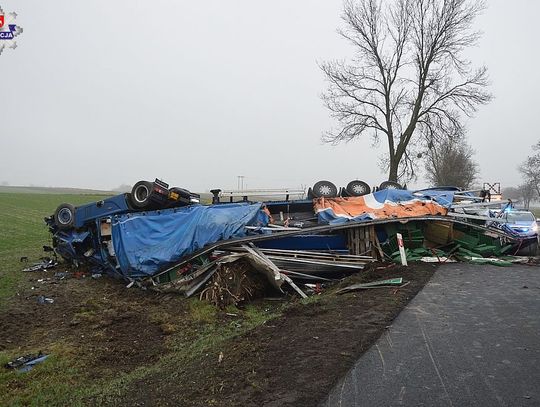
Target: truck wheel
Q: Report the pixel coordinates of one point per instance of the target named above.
(390, 185)
(357, 188)
(324, 189)
(530, 251)
(64, 216)
(129, 201)
(140, 194)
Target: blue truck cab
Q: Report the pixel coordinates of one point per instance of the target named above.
(82, 233)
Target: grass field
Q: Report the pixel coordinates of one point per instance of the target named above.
(79, 330)
(23, 231)
(113, 346)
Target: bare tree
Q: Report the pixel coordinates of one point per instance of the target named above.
(524, 193)
(512, 193)
(530, 169)
(408, 81)
(528, 193)
(450, 163)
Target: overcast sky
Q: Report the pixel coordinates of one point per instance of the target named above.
(102, 93)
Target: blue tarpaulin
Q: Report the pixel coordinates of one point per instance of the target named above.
(145, 243)
(66, 239)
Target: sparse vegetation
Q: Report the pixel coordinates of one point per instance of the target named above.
(109, 345)
(23, 232)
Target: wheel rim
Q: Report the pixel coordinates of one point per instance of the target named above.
(359, 189)
(141, 193)
(390, 185)
(325, 190)
(65, 216)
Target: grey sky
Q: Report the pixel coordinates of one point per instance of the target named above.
(100, 93)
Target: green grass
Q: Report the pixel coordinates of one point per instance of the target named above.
(49, 383)
(62, 379)
(23, 232)
(209, 338)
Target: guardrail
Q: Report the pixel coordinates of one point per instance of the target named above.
(219, 194)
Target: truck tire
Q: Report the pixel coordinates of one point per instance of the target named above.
(357, 188)
(129, 202)
(390, 185)
(530, 250)
(324, 189)
(141, 193)
(64, 216)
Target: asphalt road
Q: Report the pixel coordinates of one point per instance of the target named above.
(471, 337)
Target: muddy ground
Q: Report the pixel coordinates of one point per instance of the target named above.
(292, 358)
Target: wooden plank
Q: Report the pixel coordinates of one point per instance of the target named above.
(377, 249)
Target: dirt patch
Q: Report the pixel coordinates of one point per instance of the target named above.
(293, 360)
(109, 325)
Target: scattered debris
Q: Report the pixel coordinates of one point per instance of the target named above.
(44, 300)
(26, 363)
(441, 259)
(277, 272)
(228, 252)
(45, 264)
(233, 283)
(392, 282)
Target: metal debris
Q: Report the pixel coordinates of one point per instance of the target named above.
(26, 363)
(44, 300)
(392, 282)
(45, 264)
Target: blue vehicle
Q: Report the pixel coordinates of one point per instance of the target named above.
(520, 222)
(144, 195)
(83, 233)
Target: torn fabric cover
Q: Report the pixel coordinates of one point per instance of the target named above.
(66, 240)
(388, 203)
(147, 242)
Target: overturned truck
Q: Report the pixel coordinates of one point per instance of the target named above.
(165, 237)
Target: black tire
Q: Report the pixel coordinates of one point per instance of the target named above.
(64, 216)
(324, 189)
(141, 193)
(530, 250)
(129, 201)
(358, 188)
(390, 185)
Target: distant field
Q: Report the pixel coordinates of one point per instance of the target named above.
(23, 232)
(51, 190)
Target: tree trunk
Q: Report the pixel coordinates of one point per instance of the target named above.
(393, 173)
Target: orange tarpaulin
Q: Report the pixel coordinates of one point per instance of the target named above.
(367, 205)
